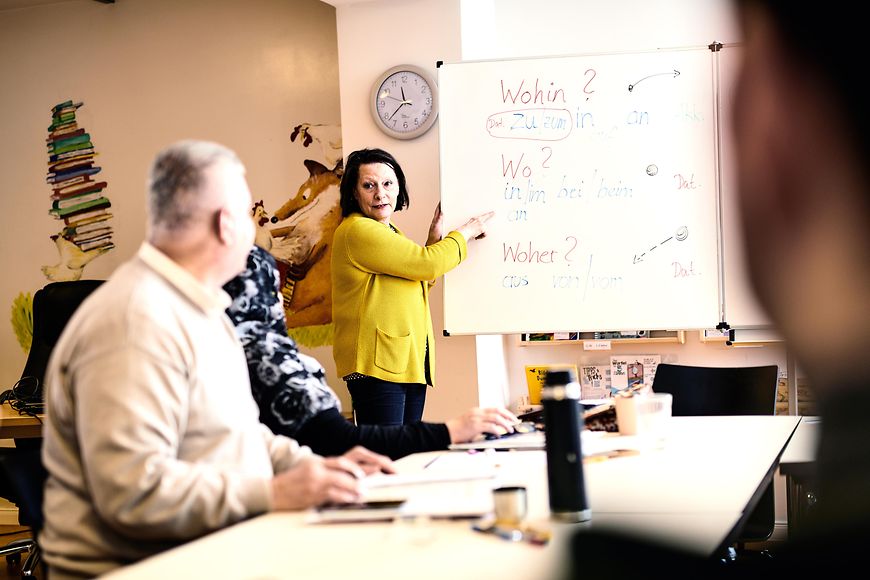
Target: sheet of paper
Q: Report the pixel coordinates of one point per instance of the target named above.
(464, 486)
(533, 440)
(447, 467)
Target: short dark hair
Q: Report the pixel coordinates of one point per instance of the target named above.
(350, 178)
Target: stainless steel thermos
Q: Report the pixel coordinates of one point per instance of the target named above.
(563, 423)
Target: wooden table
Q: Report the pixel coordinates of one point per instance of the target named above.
(14, 425)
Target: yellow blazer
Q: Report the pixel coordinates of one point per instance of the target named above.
(380, 299)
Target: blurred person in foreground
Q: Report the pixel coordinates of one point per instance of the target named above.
(802, 137)
(151, 435)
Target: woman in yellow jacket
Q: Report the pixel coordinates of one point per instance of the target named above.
(384, 341)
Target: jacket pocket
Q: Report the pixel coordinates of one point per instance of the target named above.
(392, 352)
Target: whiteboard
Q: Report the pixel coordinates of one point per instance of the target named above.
(602, 172)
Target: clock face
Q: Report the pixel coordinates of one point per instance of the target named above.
(404, 102)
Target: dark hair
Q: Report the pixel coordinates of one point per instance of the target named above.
(350, 177)
(825, 43)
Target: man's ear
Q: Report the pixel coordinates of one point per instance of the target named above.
(225, 227)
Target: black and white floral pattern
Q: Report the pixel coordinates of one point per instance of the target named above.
(289, 387)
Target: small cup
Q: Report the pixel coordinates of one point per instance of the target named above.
(654, 414)
(510, 505)
(645, 415)
(627, 413)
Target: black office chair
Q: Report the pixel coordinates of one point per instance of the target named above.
(53, 306)
(726, 391)
(21, 466)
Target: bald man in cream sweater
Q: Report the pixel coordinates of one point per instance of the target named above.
(152, 437)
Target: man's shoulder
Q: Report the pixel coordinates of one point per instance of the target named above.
(103, 321)
(135, 294)
(134, 283)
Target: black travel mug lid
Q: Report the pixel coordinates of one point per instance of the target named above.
(560, 377)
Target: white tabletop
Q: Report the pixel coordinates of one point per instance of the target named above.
(802, 447)
(691, 490)
(708, 464)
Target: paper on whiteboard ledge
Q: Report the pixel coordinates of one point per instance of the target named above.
(632, 371)
(650, 364)
(594, 381)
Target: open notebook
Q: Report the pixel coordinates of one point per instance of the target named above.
(449, 485)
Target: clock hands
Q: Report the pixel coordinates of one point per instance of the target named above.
(404, 101)
(397, 109)
(385, 94)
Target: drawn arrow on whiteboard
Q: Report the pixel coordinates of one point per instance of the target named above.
(676, 73)
(681, 234)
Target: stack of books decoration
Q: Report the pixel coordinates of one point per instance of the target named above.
(77, 197)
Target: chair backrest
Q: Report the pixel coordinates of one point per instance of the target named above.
(53, 306)
(726, 391)
(718, 390)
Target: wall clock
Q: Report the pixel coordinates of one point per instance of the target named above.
(404, 101)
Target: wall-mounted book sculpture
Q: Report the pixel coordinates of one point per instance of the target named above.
(78, 197)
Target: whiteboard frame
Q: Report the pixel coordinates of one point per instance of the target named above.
(717, 163)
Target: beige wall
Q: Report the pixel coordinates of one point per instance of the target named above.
(241, 72)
